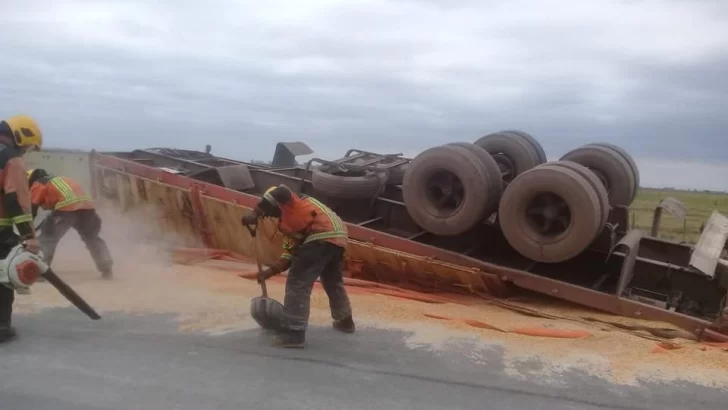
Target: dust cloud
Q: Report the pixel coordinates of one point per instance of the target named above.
(145, 279)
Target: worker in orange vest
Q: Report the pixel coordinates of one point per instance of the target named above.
(315, 242)
(71, 208)
(18, 134)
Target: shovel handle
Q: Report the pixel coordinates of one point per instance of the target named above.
(253, 232)
(252, 229)
(264, 288)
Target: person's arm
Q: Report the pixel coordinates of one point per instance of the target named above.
(283, 263)
(251, 217)
(37, 197)
(17, 197)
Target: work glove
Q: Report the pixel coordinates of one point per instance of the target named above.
(32, 245)
(266, 273)
(250, 219)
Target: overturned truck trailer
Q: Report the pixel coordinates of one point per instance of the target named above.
(471, 217)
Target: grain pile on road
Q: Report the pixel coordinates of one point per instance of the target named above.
(208, 299)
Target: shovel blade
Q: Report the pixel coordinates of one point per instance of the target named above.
(267, 312)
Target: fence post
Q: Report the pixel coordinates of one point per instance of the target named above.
(93, 177)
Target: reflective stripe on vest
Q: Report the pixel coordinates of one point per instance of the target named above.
(9, 222)
(338, 230)
(289, 246)
(287, 255)
(69, 197)
(22, 219)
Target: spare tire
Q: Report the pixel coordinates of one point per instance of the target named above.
(513, 153)
(550, 213)
(595, 182)
(347, 184)
(610, 167)
(396, 174)
(446, 190)
(630, 160)
(495, 181)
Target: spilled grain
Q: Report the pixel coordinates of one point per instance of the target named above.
(215, 301)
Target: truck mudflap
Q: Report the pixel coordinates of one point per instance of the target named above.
(209, 214)
(711, 245)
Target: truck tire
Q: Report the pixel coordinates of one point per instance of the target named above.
(495, 182)
(513, 153)
(355, 185)
(593, 180)
(558, 194)
(610, 167)
(630, 160)
(531, 140)
(446, 190)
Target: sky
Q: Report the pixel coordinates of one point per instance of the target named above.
(381, 75)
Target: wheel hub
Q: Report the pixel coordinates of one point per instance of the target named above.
(548, 214)
(506, 166)
(445, 191)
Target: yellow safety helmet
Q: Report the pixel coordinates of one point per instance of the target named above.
(26, 131)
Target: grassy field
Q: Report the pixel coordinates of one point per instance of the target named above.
(699, 204)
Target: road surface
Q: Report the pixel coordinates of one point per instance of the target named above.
(63, 361)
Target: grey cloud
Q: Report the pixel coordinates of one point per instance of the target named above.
(378, 94)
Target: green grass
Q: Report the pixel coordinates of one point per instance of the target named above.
(700, 204)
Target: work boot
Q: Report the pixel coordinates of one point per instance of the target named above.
(7, 333)
(345, 325)
(290, 339)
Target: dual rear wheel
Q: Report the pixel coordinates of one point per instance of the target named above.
(450, 189)
(548, 212)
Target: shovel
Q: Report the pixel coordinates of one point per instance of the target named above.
(267, 312)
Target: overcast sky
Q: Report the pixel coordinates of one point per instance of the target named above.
(382, 75)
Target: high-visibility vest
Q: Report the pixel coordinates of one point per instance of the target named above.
(307, 220)
(61, 194)
(10, 156)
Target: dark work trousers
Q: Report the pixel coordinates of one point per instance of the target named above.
(7, 298)
(7, 295)
(312, 260)
(88, 225)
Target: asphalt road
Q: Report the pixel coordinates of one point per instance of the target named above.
(63, 361)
